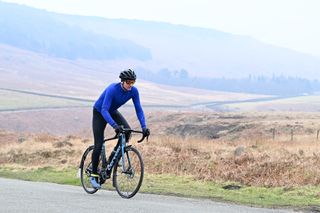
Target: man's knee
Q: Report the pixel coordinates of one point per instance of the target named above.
(97, 147)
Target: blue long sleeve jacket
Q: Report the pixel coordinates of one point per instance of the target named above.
(113, 97)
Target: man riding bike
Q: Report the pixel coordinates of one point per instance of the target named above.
(105, 111)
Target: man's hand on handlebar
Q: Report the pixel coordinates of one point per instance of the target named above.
(146, 132)
(118, 129)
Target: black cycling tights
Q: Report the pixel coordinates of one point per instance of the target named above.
(98, 127)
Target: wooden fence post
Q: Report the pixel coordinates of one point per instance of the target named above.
(273, 133)
(318, 134)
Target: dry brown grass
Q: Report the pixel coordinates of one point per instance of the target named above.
(254, 162)
(243, 151)
(250, 162)
(43, 150)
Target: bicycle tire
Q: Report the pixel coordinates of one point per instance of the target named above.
(124, 182)
(85, 171)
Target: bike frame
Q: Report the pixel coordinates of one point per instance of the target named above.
(121, 148)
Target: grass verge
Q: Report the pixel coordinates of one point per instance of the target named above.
(295, 197)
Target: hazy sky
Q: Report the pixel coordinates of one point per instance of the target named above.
(288, 23)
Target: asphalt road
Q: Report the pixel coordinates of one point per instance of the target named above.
(25, 196)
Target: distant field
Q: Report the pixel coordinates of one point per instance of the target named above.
(15, 100)
(158, 94)
(151, 95)
(301, 103)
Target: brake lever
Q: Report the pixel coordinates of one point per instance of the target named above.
(139, 141)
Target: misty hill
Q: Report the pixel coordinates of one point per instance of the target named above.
(203, 52)
(200, 51)
(38, 31)
(176, 55)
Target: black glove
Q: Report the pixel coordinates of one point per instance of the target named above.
(118, 129)
(146, 132)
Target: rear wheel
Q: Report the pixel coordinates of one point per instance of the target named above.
(85, 171)
(128, 180)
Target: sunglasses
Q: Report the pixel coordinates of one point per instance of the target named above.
(130, 82)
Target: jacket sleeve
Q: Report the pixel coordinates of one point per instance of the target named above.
(138, 108)
(106, 106)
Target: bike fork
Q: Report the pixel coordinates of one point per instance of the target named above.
(125, 155)
(123, 145)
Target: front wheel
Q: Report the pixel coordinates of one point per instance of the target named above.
(127, 178)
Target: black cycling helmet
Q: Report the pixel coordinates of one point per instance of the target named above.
(127, 75)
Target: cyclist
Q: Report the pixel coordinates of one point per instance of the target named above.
(105, 111)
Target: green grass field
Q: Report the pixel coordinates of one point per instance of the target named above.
(295, 197)
(11, 100)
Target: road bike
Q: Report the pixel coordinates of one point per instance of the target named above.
(125, 162)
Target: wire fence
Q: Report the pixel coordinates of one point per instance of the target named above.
(293, 134)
